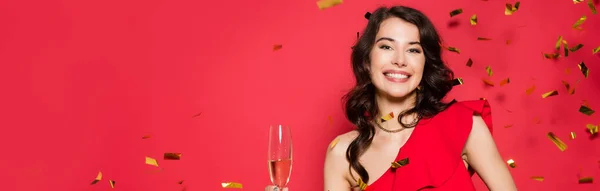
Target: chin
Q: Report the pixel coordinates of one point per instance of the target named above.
(398, 94)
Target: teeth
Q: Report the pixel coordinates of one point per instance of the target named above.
(397, 76)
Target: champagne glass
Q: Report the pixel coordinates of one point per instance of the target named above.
(280, 155)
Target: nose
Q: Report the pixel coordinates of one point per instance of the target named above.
(399, 59)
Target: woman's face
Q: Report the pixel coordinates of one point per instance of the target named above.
(397, 58)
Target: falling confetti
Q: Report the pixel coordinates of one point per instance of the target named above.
(455, 12)
(551, 56)
(530, 90)
(469, 62)
(488, 82)
(198, 114)
(558, 43)
(334, 142)
(577, 1)
(387, 117)
(537, 120)
(511, 163)
(367, 15)
(98, 178)
(172, 156)
(231, 185)
(505, 81)
(453, 49)
(488, 69)
(586, 180)
(473, 20)
(573, 135)
(560, 144)
(568, 71)
(596, 50)
(538, 178)
(576, 47)
(586, 110)
(508, 42)
(324, 4)
(591, 6)
(483, 38)
(457, 81)
(581, 20)
(592, 129)
(400, 163)
(146, 136)
(568, 86)
(508, 126)
(180, 182)
(112, 183)
(550, 93)
(277, 47)
(362, 185)
(584, 70)
(151, 161)
(510, 9)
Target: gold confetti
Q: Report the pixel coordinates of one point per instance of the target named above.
(231, 185)
(453, 49)
(576, 47)
(568, 86)
(577, 1)
(560, 144)
(538, 178)
(586, 180)
(172, 156)
(400, 163)
(530, 90)
(596, 50)
(510, 9)
(469, 62)
(573, 135)
(511, 163)
(362, 185)
(334, 142)
(330, 119)
(146, 136)
(488, 69)
(592, 7)
(151, 161)
(550, 93)
(457, 81)
(586, 110)
(180, 182)
(566, 48)
(593, 129)
(473, 20)
(505, 81)
(277, 47)
(98, 178)
(584, 69)
(551, 56)
(387, 117)
(112, 183)
(558, 42)
(483, 38)
(579, 22)
(508, 126)
(488, 82)
(508, 42)
(455, 12)
(325, 4)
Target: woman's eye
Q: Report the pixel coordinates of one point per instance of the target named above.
(414, 50)
(385, 47)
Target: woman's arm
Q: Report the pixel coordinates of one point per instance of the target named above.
(336, 166)
(484, 157)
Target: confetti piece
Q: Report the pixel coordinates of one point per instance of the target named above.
(579, 22)
(573, 135)
(334, 142)
(387, 117)
(453, 49)
(231, 185)
(455, 12)
(469, 62)
(324, 4)
(367, 15)
(511, 163)
(550, 93)
(584, 70)
(586, 180)
(558, 43)
(180, 182)
(488, 82)
(505, 81)
(473, 20)
(530, 90)
(508, 42)
(586, 110)
(146, 136)
(551, 56)
(568, 86)
(362, 185)
(400, 163)
(592, 7)
(112, 183)
(457, 81)
(576, 47)
(538, 178)
(172, 156)
(560, 144)
(577, 1)
(592, 129)
(483, 38)
(98, 178)
(277, 47)
(510, 9)
(198, 114)
(508, 126)
(488, 69)
(596, 50)
(151, 161)
(566, 48)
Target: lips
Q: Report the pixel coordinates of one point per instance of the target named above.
(396, 75)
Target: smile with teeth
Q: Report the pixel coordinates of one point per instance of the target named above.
(396, 76)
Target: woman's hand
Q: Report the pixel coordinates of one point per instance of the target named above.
(272, 188)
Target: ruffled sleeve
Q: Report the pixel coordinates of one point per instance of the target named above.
(481, 108)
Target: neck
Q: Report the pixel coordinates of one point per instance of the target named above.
(387, 104)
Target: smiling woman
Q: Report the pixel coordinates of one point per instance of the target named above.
(399, 72)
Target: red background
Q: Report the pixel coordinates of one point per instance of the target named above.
(83, 81)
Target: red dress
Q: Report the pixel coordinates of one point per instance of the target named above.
(434, 152)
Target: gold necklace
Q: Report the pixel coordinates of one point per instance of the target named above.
(387, 130)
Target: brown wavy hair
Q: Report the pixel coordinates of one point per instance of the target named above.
(360, 100)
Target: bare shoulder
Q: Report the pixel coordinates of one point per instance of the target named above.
(339, 145)
(336, 166)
